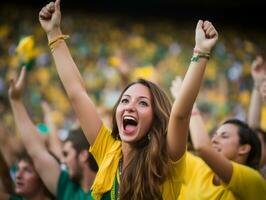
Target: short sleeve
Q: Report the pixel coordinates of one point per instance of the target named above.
(247, 183)
(102, 144)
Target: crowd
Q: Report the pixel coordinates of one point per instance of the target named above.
(144, 154)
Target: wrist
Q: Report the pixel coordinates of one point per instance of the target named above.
(51, 35)
(202, 49)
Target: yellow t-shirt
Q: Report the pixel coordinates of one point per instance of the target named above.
(245, 184)
(107, 153)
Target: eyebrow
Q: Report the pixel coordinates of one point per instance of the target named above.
(139, 97)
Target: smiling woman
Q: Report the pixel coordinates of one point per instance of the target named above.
(143, 157)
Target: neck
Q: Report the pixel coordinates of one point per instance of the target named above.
(37, 196)
(87, 178)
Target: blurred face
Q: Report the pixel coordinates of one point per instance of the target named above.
(28, 182)
(70, 159)
(226, 141)
(134, 113)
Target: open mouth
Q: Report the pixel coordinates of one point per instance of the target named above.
(129, 123)
(19, 184)
(217, 148)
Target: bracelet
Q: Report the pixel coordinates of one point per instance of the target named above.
(195, 58)
(198, 51)
(197, 54)
(58, 38)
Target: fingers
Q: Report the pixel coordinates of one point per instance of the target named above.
(22, 76)
(257, 63)
(199, 24)
(47, 11)
(11, 83)
(57, 5)
(209, 29)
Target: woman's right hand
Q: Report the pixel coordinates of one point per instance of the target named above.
(17, 86)
(258, 71)
(50, 19)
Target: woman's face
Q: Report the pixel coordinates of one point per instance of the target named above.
(134, 114)
(226, 141)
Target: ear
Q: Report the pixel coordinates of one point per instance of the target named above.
(83, 156)
(244, 149)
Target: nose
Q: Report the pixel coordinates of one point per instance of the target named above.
(18, 174)
(214, 139)
(130, 107)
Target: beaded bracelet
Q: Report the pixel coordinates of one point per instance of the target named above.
(198, 51)
(199, 54)
(60, 37)
(195, 58)
(54, 41)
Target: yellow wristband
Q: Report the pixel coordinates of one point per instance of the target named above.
(60, 37)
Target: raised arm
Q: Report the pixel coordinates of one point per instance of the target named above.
(50, 18)
(45, 164)
(5, 176)
(54, 143)
(258, 70)
(221, 166)
(205, 38)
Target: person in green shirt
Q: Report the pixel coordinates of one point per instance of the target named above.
(74, 184)
(28, 184)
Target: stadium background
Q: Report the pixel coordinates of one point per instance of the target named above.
(154, 38)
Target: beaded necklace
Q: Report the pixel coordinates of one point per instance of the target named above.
(115, 192)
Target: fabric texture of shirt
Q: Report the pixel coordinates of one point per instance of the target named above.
(245, 184)
(69, 190)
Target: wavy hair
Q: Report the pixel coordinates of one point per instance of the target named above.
(148, 166)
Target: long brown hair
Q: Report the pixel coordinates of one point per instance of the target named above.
(148, 166)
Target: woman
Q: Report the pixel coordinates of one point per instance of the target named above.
(143, 156)
(227, 163)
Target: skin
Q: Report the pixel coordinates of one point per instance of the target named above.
(28, 183)
(226, 141)
(137, 103)
(70, 159)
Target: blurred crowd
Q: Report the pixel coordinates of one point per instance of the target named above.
(104, 47)
(110, 51)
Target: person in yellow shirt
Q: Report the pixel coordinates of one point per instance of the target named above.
(225, 166)
(143, 157)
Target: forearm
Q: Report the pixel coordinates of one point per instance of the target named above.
(54, 142)
(220, 165)
(199, 136)
(189, 89)
(65, 65)
(4, 175)
(254, 113)
(29, 133)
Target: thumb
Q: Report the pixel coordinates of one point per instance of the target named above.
(22, 77)
(57, 5)
(11, 83)
(199, 25)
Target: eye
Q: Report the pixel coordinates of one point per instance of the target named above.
(143, 103)
(224, 135)
(124, 101)
(28, 170)
(65, 154)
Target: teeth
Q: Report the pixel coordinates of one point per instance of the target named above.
(129, 118)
